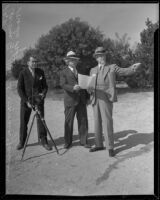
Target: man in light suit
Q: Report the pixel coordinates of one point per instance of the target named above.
(75, 100)
(103, 94)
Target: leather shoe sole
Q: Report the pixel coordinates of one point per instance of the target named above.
(86, 145)
(111, 153)
(93, 149)
(47, 147)
(67, 146)
(19, 147)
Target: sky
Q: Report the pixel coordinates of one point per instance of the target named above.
(25, 23)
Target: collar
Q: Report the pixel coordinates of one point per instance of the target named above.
(32, 72)
(71, 68)
(100, 65)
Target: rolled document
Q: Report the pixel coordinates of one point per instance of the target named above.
(84, 80)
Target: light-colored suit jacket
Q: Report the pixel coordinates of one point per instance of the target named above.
(109, 75)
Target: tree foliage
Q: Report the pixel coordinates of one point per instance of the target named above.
(16, 68)
(72, 35)
(145, 51)
(79, 36)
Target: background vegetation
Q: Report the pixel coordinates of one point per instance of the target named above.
(80, 37)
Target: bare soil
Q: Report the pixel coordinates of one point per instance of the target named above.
(77, 171)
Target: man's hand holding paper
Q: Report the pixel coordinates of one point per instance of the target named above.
(76, 88)
(87, 82)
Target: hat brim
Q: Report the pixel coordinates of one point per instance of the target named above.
(71, 58)
(98, 54)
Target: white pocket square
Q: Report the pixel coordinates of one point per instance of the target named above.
(40, 78)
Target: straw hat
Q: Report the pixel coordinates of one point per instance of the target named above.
(71, 56)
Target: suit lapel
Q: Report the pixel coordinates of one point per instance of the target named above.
(105, 71)
(31, 78)
(71, 73)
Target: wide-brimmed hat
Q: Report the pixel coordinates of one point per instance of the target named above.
(99, 51)
(71, 56)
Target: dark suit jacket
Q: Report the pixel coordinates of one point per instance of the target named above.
(67, 82)
(28, 86)
(109, 76)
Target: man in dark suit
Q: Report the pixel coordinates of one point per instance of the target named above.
(32, 84)
(75, 100)
(103, 94)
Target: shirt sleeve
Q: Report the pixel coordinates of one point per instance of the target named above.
(124, 71)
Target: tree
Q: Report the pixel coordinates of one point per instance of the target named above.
(9, 75)
(72, 35)
(119, 49)
(51, 48)
(145, 51)
(16, 68)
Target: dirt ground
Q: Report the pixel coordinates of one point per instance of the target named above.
(77, 171)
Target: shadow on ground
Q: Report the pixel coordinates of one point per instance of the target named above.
(130, 138)
(125, 140)
(60, 141)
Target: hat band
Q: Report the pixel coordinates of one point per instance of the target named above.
(100, 52)
(71, 56)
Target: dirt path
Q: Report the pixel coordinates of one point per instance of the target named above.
(77, 171)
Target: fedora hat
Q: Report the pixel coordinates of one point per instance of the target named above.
(99, 51)
(71, 56)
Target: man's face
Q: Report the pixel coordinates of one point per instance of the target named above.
(32, 63)
(72, 63)
(101, 59)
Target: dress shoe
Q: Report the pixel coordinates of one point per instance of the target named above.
(47, 147)
(111, 153)
(86, 145)
(19, 147)
(66, 146)
(93, 149)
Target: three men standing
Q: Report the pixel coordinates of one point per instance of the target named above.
(75, 100)
(103, 93)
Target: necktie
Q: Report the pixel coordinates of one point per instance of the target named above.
(100, 68)
(75, 72)
(33, 73)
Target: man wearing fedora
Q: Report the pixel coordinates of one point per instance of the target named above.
(32, 88)
(103, 94)
(75, 101)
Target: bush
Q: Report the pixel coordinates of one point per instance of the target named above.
(9, 75)
(16, 68)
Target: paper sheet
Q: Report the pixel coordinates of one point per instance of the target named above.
(84, 80)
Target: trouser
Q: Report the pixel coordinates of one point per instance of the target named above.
(103, 121)
(25, 113)
(81, 113)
